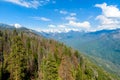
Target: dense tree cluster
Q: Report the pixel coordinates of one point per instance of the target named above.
(27, 56)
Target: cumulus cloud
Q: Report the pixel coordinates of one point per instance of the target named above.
(44, 19)
(84, 24)
(51, 26)
(106, 21)
(109, 18)
(29, 4)
(60, 30)
(75, 24)
(70, 18)
(57, 26)
(109, 11)
(61, 26)
(63, 12)
(41, 18)
(66, 27)
(73, 14)
(109, 27)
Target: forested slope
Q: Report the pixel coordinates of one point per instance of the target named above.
(102, 46)
(27, 56)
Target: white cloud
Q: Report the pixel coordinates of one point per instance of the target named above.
(51, 26)
(60, 30)
(84, 24)
(66, 27)
(17, 25)
(108, 27)
(57, 26)
(70, 18)
(107, 21)
(73, 14)
(42, 18)
(61, 26)
(63, 12)
(110, 17)
(29, 4)
(109, 11)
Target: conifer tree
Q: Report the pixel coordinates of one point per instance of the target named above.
(17, 60)
(1, 56)
(51, 70)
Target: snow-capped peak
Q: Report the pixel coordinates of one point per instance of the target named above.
(57, 30)
(17, 25)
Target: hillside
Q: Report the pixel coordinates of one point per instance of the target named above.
(101, 46)
(27, 56)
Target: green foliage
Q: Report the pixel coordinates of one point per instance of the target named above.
(50, 69)
(17, 60)
(89, 73)
(57, 58)
(1, 55)
(104, 45)
(79, 75)
(27, 56)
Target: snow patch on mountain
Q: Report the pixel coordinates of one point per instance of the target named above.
(17, 25)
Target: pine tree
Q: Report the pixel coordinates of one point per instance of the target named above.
(17, 60)
(65, 69)
(51, 70)
(1, 56)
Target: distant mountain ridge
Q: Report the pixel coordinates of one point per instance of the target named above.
(103, 46)
(6, 26)
(25, 55)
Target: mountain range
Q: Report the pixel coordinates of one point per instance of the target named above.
(101, 48)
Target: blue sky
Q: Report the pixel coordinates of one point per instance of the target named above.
(61, 15)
